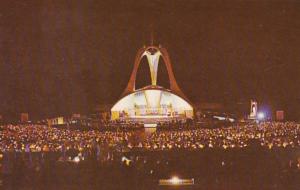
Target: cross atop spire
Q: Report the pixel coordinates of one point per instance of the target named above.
(151, 35)
(152, 38)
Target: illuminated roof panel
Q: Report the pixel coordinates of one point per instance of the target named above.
(151, 98)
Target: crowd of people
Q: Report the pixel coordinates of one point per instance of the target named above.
(37, 149)
(269, 135)
(39, 138)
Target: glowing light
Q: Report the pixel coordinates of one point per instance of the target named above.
(261, 115)
(126, 160)
(76, 159)
(150, 125)
(270, 145)
(149, 103)
(219, 118)
(175, 180)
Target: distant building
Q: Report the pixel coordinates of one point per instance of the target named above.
(24, 117)
(56, 121)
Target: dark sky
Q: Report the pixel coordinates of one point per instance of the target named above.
(59, 57)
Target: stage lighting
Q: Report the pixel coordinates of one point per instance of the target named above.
(261, 115)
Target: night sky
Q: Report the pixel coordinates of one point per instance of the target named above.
(60, 57)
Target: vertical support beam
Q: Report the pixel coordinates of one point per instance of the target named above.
(131, 84)
(173, 84)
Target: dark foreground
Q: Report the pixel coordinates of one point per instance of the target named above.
(251, 168)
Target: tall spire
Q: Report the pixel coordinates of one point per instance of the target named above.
(152, 38)
(151, 35)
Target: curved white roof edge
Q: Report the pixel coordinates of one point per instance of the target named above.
(150, 97)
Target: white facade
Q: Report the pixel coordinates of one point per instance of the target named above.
(151, 103)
